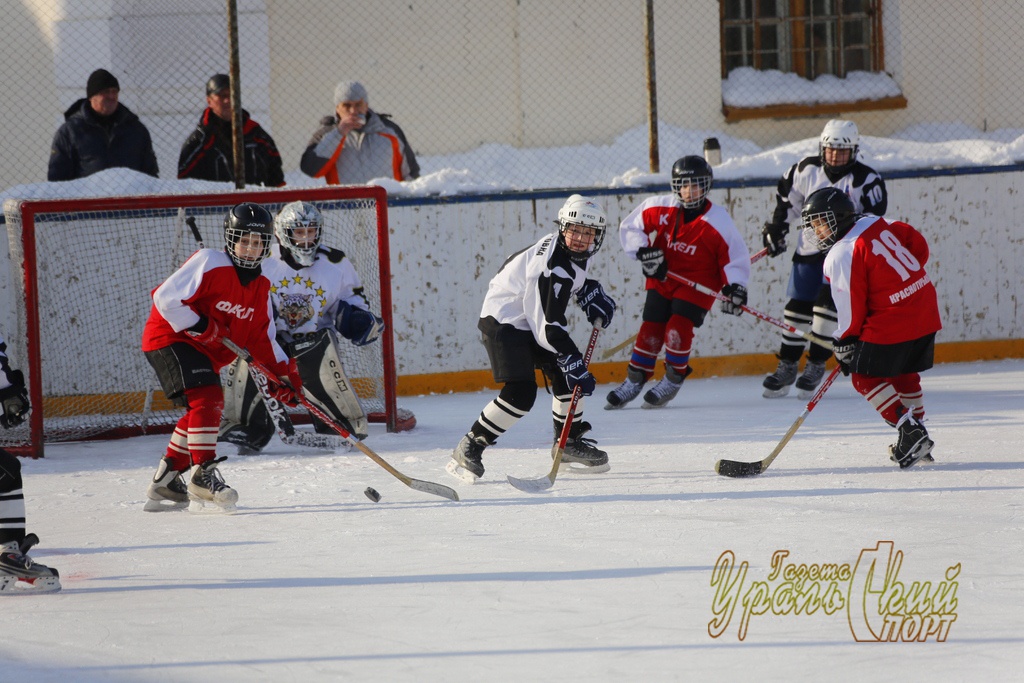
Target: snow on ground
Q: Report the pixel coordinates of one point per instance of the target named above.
(605, 577)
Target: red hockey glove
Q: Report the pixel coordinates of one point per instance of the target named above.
(207, 332)
(287, 388)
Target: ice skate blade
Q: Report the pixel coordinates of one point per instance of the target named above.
(779, 393)
(577, 468)
(164, 505)
(11, 585)
(805, 394)
(653, 406)
(461, 473)
(206, 507)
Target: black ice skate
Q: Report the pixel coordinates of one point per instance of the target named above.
(580, 454)
(628, 390)
(912, 444)
(778, 383)
(467, 459)
(666, 389)
(19, 574)
(207, 487)
(167, 490)
(808, 382)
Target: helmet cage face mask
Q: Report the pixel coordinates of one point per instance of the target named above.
(838, 135)
(830, 224)
(701, 182)
(580, 212)
(299, 215)
(828, 214)
(233, 235)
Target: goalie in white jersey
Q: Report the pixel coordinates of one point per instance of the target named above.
(524, 326)
(317, 297)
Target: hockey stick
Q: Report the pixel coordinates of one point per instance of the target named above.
(416, 484)
(746, 309)
(632, 340)
(546, 482)
(733, 468)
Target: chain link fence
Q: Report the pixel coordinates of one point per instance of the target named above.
(504, 94)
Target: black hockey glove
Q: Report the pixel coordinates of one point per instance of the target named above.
(843, 350)
(773, 235)
(737, 294)
(652, 260)
(595, 303)
(14, 401)
(576, 373)
(357, 325)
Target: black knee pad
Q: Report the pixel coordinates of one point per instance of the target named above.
(519, 395)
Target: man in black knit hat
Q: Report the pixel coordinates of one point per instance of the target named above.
(100, 133)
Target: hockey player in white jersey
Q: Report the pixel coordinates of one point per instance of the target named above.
(18, 572)
(810, 307)
(317, 297)
(524, 326)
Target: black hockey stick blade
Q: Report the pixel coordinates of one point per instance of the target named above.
(734, 468)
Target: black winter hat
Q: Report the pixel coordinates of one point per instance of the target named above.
(217, 83)
(100, 80)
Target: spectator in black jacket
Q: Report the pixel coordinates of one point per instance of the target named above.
(100, 133)
(208, 152)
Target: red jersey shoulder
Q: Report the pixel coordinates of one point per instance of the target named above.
(660, 212)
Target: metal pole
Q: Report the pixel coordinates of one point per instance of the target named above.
(652, 90)
(236, 96)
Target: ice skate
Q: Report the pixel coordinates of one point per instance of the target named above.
(167, 491)
(467, 459)
(912, 444)
(19, 574)
(207, 491)
(628, 390)
(581, 455)
(777, 384)
(808, 382)
(666, 389)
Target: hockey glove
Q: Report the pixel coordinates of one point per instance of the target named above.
(576, 373)
(288, 386)
(773, 235)
(357, 325)
(595, 303)
(843, 350)
(207, 332)
(737, 294)
(652, 260)
(14, 401)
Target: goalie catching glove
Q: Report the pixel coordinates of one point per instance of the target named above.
(576, 374)
(737, 295)
(357, 325)
(597, 305)
(14, 401)
(652, 260)
(773, 235)
(843, 350)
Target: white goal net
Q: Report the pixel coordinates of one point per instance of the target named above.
(84, 271)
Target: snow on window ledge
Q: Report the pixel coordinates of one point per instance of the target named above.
(748, 93)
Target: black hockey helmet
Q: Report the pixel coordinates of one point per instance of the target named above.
(692, 170)
(827, 215)
(246, 218)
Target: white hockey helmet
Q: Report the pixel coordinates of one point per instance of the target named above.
(579, 210)
(299, 215)
(839, 134)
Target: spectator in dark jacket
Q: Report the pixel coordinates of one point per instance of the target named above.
(208, 153)
(358, 144)
(100, 133)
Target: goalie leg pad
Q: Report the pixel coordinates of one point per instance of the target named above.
(245, 421)
(324, 380)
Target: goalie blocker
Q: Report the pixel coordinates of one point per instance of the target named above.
(248, 424)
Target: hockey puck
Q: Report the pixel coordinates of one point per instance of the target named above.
(372, 494)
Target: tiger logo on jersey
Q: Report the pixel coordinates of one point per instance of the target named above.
(296, 309)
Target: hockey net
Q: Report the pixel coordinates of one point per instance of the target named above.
(88, 268)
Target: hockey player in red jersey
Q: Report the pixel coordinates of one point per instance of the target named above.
(523, 321)
(888, 311)
(683, 233)
(214, 294)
